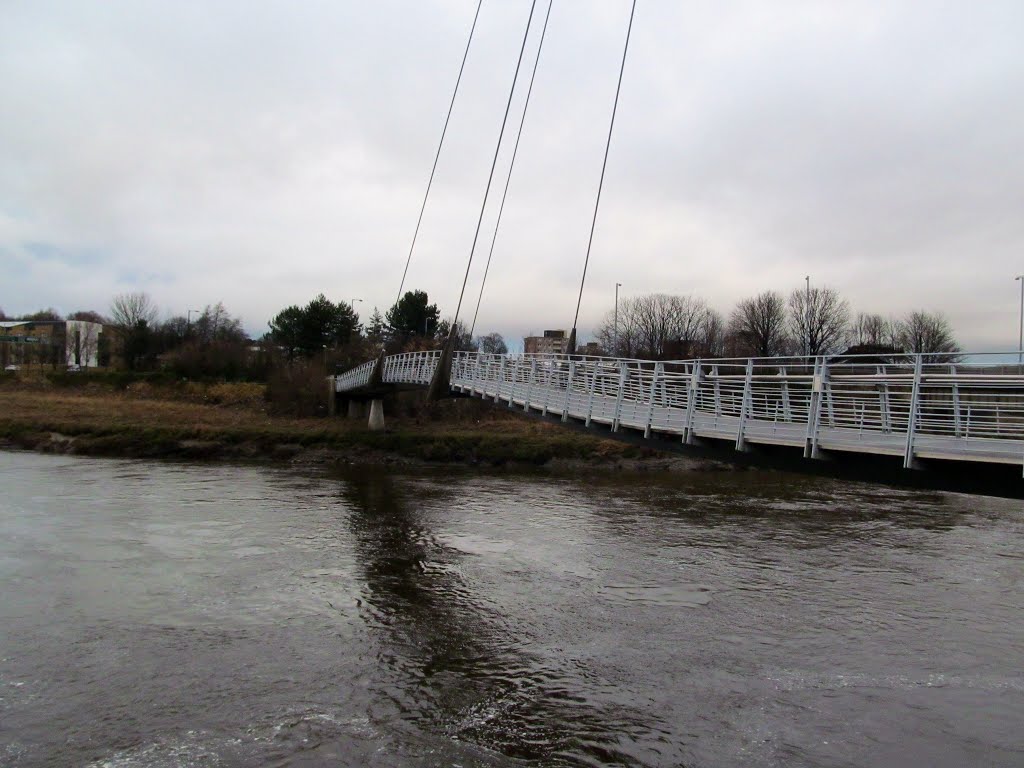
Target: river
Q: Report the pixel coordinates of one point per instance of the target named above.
(161, 614)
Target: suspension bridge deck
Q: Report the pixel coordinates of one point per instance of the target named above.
(912, 407)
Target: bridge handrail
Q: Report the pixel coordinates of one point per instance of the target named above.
(973, 404)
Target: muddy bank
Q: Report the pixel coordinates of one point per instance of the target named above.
(392, 448)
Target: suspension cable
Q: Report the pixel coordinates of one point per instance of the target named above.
(508, 179)
(437, 156)
(490, 178)
(600, 183)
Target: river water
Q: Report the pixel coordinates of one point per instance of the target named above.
(157, 614)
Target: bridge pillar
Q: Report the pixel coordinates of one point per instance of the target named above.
(376, 423)
(440, 382)
(332, 397)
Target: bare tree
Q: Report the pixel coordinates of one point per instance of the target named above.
(217, 324)
(758, 326)
(819, 320)
(622, 338)
(492, 344)
(127, 310)
(927, 332)
(875, 333)
(656, 326)
(711, 336)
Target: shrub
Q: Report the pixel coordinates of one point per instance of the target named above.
(298, 389)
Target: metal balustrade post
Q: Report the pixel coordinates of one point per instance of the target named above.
(692, 393)
(915, 393)
(568, 390)
(718, 394)
(659, 375)
(956, 410)
(500, 381)
(745, 404)
(787, 411)
(531, 382)
(547, 388)
(623, 378)
(593, 391)
(515, 383)
(830, 402)
(818, 384)
(884, 415)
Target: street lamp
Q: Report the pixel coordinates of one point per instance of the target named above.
(188, 320)
(1020, 337)
(615, 334)
(353, 304)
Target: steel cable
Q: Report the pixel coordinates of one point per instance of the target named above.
(490, 177)
(508, 179)
(600, 184)
(437, 156)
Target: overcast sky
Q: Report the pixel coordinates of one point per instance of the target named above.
(259, 153)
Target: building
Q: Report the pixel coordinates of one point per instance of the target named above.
(50, 342)
(551, 343)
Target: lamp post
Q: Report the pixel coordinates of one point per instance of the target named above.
(353, 304)
(188, 321)
(615, 333)
(1020, 337)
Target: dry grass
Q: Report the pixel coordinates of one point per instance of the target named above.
(139, 421)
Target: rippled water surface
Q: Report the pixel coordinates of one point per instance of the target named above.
(185, 615)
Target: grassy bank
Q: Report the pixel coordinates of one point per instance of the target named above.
(204, 421)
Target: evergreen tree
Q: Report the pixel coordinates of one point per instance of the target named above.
(307, 330)
(412, 315)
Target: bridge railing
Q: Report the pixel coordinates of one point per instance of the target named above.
(411, 367)
(355, 378)
(957, 405)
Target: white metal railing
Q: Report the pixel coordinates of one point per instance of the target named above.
(938, 406)
(411, 367)
(355, 378)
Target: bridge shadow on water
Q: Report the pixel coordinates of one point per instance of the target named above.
(561, 618)
(457, 666)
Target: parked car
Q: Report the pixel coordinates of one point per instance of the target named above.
(11, 368)
(74, 368)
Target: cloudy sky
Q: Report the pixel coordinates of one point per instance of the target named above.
(259, 153)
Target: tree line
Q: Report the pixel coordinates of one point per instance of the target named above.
(330, 335)
(814, 321)
(213, 342)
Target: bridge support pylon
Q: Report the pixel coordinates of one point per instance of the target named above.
(440, 383)
(376, 422)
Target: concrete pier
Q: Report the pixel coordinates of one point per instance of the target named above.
(376, 423)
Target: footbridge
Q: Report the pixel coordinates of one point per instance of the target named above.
(912, 409)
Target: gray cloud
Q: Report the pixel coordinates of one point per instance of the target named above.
(261, 153)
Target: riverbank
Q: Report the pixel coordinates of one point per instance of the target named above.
(231, 422)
